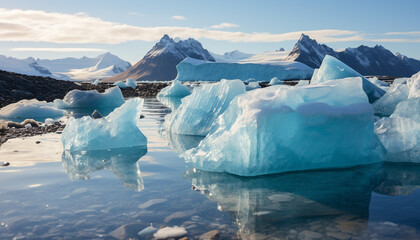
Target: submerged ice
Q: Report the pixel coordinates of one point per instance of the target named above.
(119, 129)
(112, 97)
(281, 129)
(332, 69)
(198, 111)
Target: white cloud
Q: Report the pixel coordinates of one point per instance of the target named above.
(403, 33)
(178, 17)
(225, 25)
(58, 50)
(135, 13)
(40, 26)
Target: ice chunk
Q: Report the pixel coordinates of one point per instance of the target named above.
(214, 71)
(119, 129)
(176, 89)
(120, 84)
(112, 97)
(331, 69)
(408, 109)
(31, 109)
(414, 85)
(397, 93)
(302, 83)
(281, 129)
(131, 83)
(199, 110)
(170, 232)
(96, 82)
(378, 82)
(123, 162)
(252, 86)
(275, 81)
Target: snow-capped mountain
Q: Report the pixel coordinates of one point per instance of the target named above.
(231, 57)
(160, 62)
(365, 60)
(75, 69)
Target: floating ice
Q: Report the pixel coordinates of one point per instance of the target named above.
(197, 70)
(147, 231)
(397, 93)
(31, 109)
(170, 232)
(119, 129)
(302, 83)
(332, 69)
(112, 97)
(275, 81)
(377, 82)
(120, 84)
(131, 83)
(252, 86)
(96, 82)
(414, 85)
(176, 89)
(281, 129)
(199, 110)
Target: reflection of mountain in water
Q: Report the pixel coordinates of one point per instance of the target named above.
(401, 179)
(270, 206)
(123, 162)
(171, 102)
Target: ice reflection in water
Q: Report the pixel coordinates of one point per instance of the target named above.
(123, 162)
(171, 102)
(401, 179)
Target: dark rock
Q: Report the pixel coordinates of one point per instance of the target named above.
(96, 114)
(38, 142)
(212, 235)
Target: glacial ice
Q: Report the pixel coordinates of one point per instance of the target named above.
(332, 69)
(385, 105)
(197, 70)
(96, 82)
(252, 86)
(199, 110)
(128, 83)
(283, 128)
(275, 81)
(176, 89)
(120, 84)
(112, 97)
(378, 82)
(31, 109)
(302, 83)
(117, 130)
(414, 85)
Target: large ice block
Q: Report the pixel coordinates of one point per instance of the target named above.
(331, 69)
(281, 129)
(198, 111)
(198, 70)
(112, 97)
(119, 129)
(31, 109)
(176, 89)
(414, 85)
(397, 93)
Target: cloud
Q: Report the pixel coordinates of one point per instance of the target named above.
(225, 25)
(403, 33)
(40, 26)
(178, 17)
(58, 50)
(135, 13)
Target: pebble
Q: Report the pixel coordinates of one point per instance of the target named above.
(211, 235)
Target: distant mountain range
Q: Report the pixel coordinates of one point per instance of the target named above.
(160, 62)
(74, 69)
(365, 60)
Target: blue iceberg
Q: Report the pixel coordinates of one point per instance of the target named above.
(199, 70)
(385, 105)
(119, 129)
(198, 111)
(331, 69)
(112, 97)
(128, 83)
(176, 89)
(282, 128)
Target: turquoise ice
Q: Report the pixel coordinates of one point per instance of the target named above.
(176, 89)
(112, 97)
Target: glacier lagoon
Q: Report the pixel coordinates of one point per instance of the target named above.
(116, 194)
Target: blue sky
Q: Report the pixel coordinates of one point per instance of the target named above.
(53, 29)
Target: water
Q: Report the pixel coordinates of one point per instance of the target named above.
(116, 194)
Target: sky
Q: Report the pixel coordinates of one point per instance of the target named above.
(129, 28)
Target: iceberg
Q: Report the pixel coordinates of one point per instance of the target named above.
(112, 97)
(31, 109)
(120, 84)
(282, 129)
(414, 85)
(385, 105)
(117, 130)
(302, 83)
(332, 69)
(198, 70)
(96, 82)
(378, 82)
(131, 83)
(176, 89)
(275, 81)
(198, 111)
(252, 86)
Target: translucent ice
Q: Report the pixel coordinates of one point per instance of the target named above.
(171, 102)
(252, 86)
(378, 82)
(332, 69)
(281, 129)
(31, 109)
(176, 89)
(131, 83)
(275, 81)
(414, 85)
(199, 110)
(112, 97)
(120, 84)
(119, 129)
(198, 70)
(385, 106)
(302, 83)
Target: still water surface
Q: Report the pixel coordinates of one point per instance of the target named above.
(117, 193)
